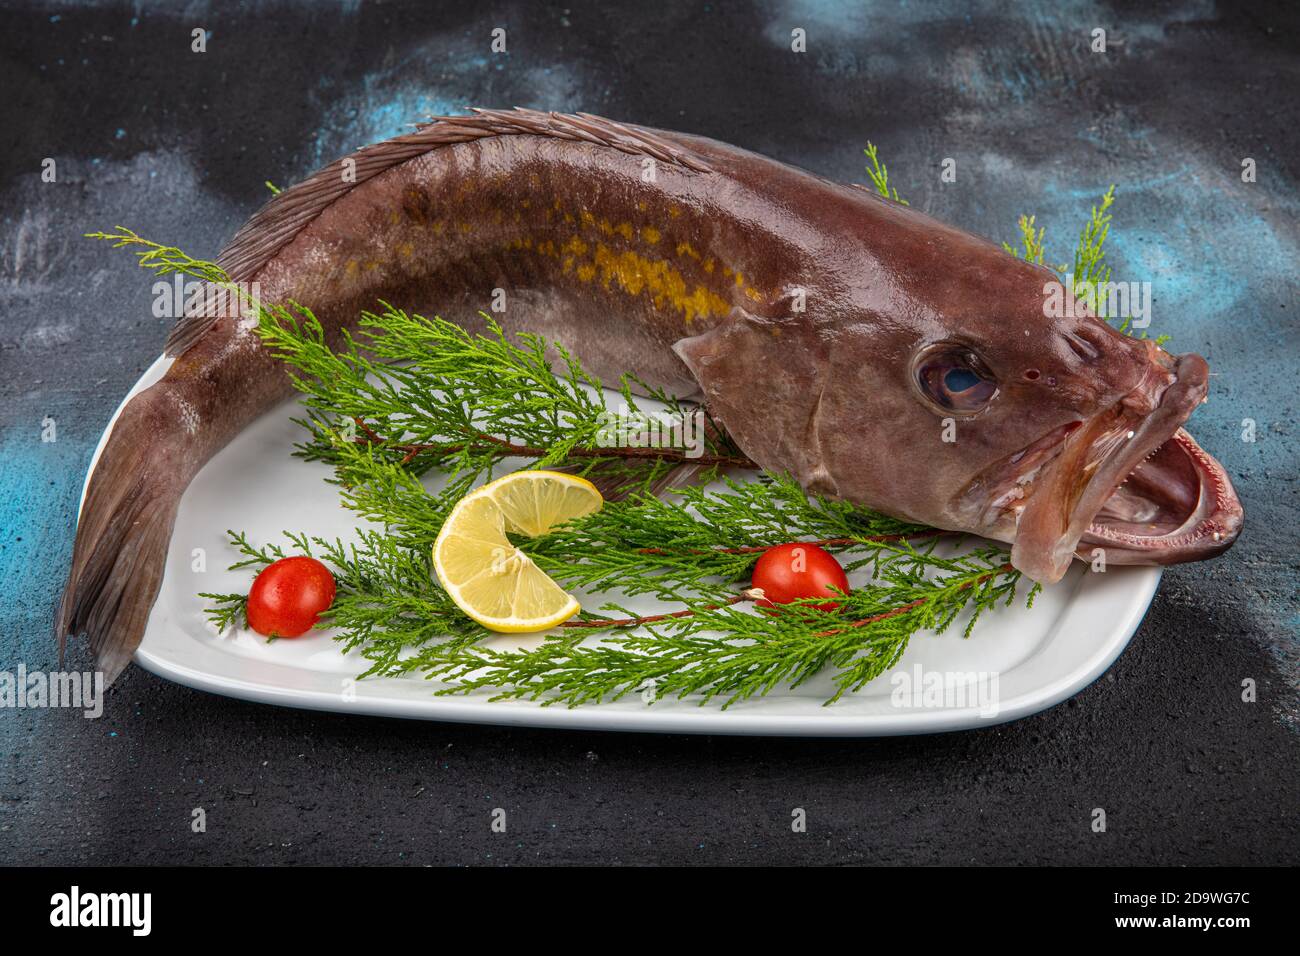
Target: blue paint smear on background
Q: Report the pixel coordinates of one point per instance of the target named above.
(37, 479)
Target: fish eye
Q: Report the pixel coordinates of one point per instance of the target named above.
(953, 378)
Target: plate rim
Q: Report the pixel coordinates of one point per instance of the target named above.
(703, 720)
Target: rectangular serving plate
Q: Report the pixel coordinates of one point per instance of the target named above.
(1019, 661)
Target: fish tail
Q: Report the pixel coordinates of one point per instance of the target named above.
(124, 529)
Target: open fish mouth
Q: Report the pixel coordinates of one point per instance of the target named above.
(1130, 482)
(1176, 505)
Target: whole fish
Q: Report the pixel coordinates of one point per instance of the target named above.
(874, 353)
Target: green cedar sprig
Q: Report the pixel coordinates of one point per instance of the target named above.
(162, 260)
(731, 653)
(694, 544)
(426, 394)
(879, 175)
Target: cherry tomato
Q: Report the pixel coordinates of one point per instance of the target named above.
(287, 598)
(797, 570)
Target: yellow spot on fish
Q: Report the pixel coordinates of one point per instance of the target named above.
(674, 212)
(635, 274)
(526, 203)
(630, 272)
(466, 227)
(576, 246)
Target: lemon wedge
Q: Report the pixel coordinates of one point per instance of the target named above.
(488, 577)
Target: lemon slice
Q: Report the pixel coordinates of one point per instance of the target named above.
(488, 577)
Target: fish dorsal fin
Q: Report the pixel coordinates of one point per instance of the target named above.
(276, 223)
(581, 127)
(280, 220)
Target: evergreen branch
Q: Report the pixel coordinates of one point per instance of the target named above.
(1090, 269)
(513, 450)
(428, 394)
(386, 599)
(879, 174)
(696, 543)
(162, 260)
(825, 543)
(1031, 242)
(732, 655)
(226, 610)
(605, 623)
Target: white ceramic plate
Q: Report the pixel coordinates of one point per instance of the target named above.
(1018, 661)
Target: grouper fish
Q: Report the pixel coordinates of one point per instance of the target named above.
(872, 352)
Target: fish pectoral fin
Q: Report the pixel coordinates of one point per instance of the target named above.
(702, 352)
(760, 378)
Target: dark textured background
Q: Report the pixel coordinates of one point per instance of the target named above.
(177, 146)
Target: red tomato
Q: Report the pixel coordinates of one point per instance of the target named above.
(288, 597)
(797, 570)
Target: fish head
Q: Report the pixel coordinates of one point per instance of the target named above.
(949, 389)
(1020, 416)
